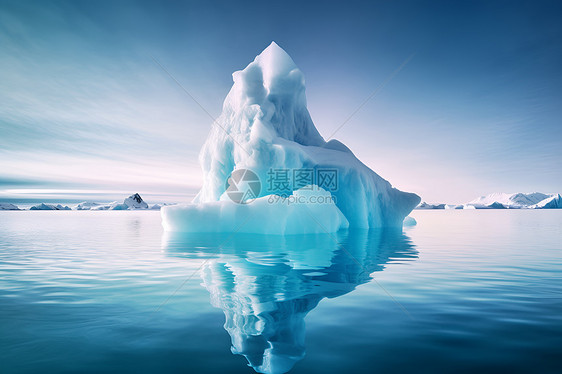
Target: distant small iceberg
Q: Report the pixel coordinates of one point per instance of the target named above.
(86, 205)
(44, 206)
(409, 222)
(8, 206)
(519, 200)
(133, 202)
(500, 200)
(496, 205)
(424, 205)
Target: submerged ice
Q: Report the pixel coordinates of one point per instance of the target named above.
(265, 125)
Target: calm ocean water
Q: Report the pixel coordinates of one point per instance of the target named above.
(462, 292)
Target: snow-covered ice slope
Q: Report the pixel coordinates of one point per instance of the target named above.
(553, 202)
(265, 125)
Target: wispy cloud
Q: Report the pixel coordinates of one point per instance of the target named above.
(101, 118)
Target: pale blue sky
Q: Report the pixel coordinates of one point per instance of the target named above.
(85, 112)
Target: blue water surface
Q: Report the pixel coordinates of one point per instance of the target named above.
(109, 291)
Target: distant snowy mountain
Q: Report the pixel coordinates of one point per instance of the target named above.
(506, 200)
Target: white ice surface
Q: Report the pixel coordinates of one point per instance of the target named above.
(261, 216)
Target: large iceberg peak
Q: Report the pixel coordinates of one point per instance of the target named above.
(265, 127)
(277, 66)
(268, 98)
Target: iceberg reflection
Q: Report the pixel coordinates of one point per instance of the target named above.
(266, 285)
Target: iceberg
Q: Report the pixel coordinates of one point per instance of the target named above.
(85, 205)
(496, 205)
(135, 202)
(506, 200)
(256, 218)
(114, 205)
(520, 200)
(117, 206)
(265, 127)
(159, 206)
(132, 202)
(8, 206)
(410, 221)
(424, 205)
(553, 202)
(104, 206)
(44, 206)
